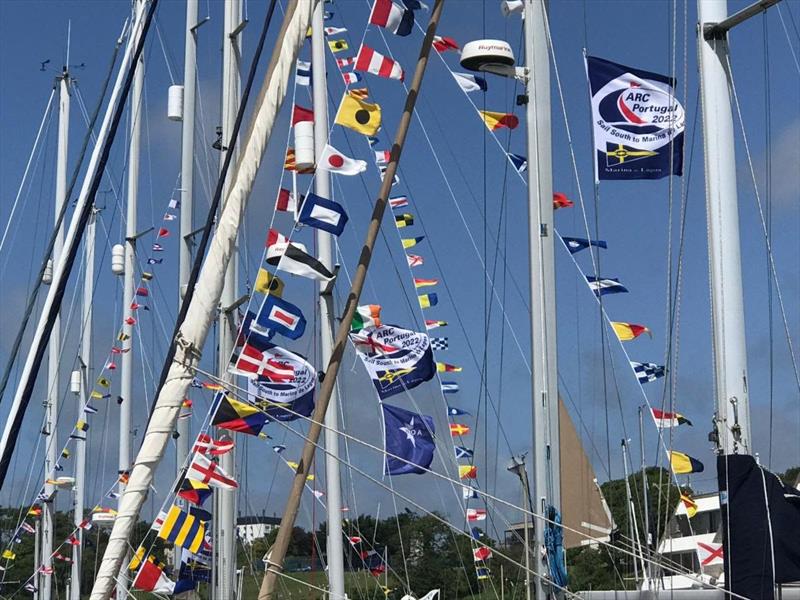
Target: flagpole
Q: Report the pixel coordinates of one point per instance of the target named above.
(225, 543)
(335, 547)
(544, 384)
(274, 560)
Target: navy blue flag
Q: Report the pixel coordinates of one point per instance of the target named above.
(574, 244)
(520, 162)
(462, 452)
(455, 412)
(638, 122)
(279, 316)
(602, 285)
(475, 533)
(410, 436)
(323, 214)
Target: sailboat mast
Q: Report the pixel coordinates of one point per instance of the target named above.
(335, 549)
(544, 385)
(732, 421)
(126, 362)
(645, 498)
(186, 200)
(225, 543)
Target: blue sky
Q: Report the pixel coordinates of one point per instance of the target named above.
(633, 217)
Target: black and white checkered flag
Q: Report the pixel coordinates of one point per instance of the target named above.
(439, 343)
(647, 372)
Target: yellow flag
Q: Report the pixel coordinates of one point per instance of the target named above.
(136, 560)
(9, 555)
(96, 395)
(338, 45)
(683, 463)
(266, 282)
(359, 115)
(628, 331)
(498, 120)
(689, 504)
(103, 382)
(295, 466)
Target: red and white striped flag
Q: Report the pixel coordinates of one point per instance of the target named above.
(345, 62)
(444, 43)
(370, 61)
(205, 444)
(210, 473)
(382, 157)
(286, 201)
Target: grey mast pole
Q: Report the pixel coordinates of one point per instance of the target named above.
(322, 186)
(226, 499)
(544, 385)
(126, 362)
(186, 198)
(727, 303)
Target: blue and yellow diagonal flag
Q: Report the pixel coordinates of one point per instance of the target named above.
(182, 529)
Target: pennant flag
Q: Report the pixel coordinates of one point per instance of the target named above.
(267, 283)
(170, 217)
(665, 420)
(361, 94)
(497, 120)
(683, 463)
(27, 527)
(411, 242)
(290, 164)
(404, 220)
(476, 514)
(345, 62)
(561, 201)
(205, 444)
(602, 286)
(334, 30)
(286, 201)
(142, 292)
(575, 244)
(647, 372)
(638, 122)
(323, 214)
(629, 331)
(279, 448)
(520, 162)
(302, 74)
(463, 452)
(65, 453)
(280, 316)
(157, 248)
(334, 161)
(163, 232)
(434, 324)
(195, 492)
(397, 201)
(468, 493)
(82, 425)
(467, 472)
(439, 343)
(420, 283)
(395, 18)
(458, 429)
(428, 300)
(409, 436)
(482, 573)
(482, 553)
(470, 83)
(295, 466)
(182, 529)
(210, 473)
(449, 387)
(338, 45)
(238, 416)
(155, 261)
(35, 511)
(689, 504)
(373, 62)
(446, 368)
(367, 315)
(300, 113)
(414, 260)
(351, 78)
(151, 578)
(444, 43)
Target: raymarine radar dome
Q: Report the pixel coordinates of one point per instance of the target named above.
(478, 54)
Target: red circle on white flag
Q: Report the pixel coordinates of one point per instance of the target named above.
(335, 160)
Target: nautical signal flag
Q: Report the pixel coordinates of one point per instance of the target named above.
(397, 19)
(280, 316)
(665, 420)
(334, 30)
(458, 429)
(404, 220)
(647, 372)
(444, 43)
(629, 331)
(470, 83)
(561, 201)
(602, 286)
(205, 444)
(151, 578)
(290, 163)
(520, 162)
(182, 529)
(286, 201)
(469, 493)
(482, 553)
(300, 113)
(409, 441)
(370, 61)
(293, 258)
(710, 554)
(324, 214)
(463, 452)
(449, 387)
(366, 315)
(497, 120)
(334, 161)
(358, 115)
(446, 368)
(238, 416)
(302, 74)
(411, 242)
(439, 343)
(195, 492)
(420, 283)
(689, 504)
(429, 324)
(683, 463)
(428, 300)
(9, 555)
(575, 244)
(414, 260)
(467, 472)
(476, 514)
(338, 45)
(482, 573)
(163, 232)
(345, 62)
(361, 94)
(267, 283)
(210, 473)
(295, 466)
(396, 201)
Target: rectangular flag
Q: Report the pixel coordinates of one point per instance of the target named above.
(210, 473)
(396, 201)
(467, 472)
(638, 122)
(647, 372)
(419, 283)
(303, 73)
(470, 83)
(439, 343)
(403, 220)
(370, 61)
(358, 114)
(397, 19)
(182, 529)
(476, 514)
(366, 315)
(338, 45)
(409, 437)
(428, 300)
(280, 316)
(602, 286)
(267, 283)
(683, 463)
(449, 387)
(457, 429)
(286, 201)
(469, 493)
(481, 553)
(444, 43)
(323, 214)
(463, 452)
(414, 260)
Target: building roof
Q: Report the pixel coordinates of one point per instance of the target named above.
(258, 520)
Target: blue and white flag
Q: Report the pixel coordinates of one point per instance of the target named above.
(638, 122)
(469, 493)
(475, 533)
(303, 73)
(323, 214)
(575, 244)
(647, 372)
(455, 412)
(409, 436)
(602, 286)
(470, 83)
(462, 452)
(279, 316)
(449, 387)
(520, 162)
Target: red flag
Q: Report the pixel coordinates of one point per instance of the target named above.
(163, 232)
(444, 43)
(482, 553)
(301, 114)
(205, 444)
(561, 201)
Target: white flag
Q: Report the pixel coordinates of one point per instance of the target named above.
(334, 161)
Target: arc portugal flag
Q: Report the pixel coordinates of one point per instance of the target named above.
(359, 115)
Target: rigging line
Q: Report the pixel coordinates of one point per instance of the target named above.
(788, 38)
(46, 116)
(768, 198)
(765, 231)
(164, 51)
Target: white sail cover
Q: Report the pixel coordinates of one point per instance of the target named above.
(203, 307)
